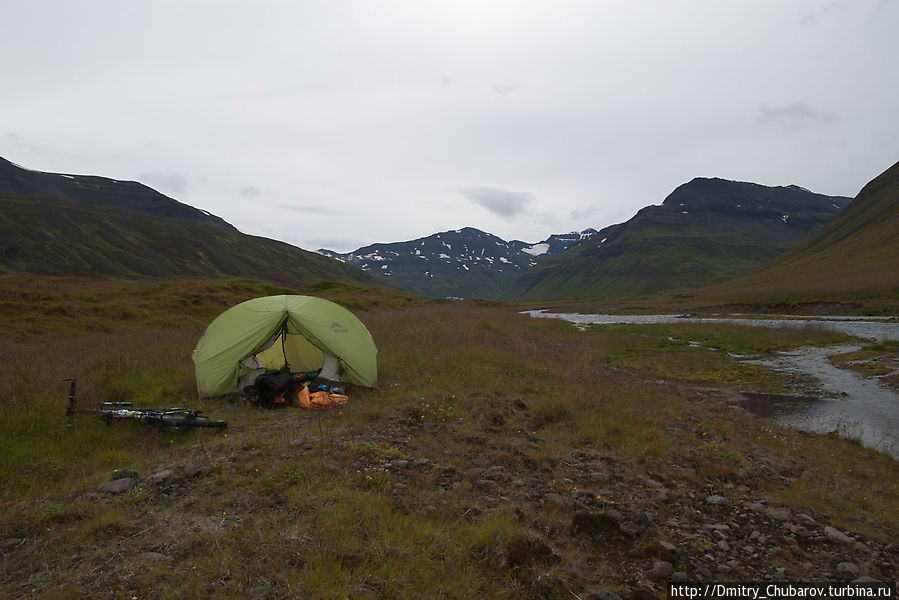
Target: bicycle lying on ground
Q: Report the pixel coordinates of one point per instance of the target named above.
(162, 418)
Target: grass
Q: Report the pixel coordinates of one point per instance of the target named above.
(702, 353)
(873, 360)
(377, 498)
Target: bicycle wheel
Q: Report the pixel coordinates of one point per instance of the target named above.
(189, 419)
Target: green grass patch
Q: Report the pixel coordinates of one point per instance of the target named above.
(705, 353)
(874, 360)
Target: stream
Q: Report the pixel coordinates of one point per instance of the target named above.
(843, 401)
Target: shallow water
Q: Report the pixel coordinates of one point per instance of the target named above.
(853, 406)
(844, 402)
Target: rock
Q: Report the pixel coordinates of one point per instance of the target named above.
(716, 500)
(191, 470)
(117, 486)
(668, 546)
(606, 595)
(757, 507)
(124, 474)
(482, 462)
(10, 543)
(778, 513)
(633, 529)
(161, 477)
(585, 495)
(722, 545)
(835, 535)
(473, 473)
(524, 550)
(847, 570)
(661, 570)
(596, 525)
(662, 550)
(399, 464)
(806, 521)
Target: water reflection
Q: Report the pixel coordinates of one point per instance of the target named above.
(846, 403)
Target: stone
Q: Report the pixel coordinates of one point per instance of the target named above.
(835, 535)
(473, 472)
(679, 577)
(191, 470)
(124, 474)
(661, 570)
(596, 525)
(161, 477)
(525, 550)
(667, 546)
(716, 500)
(117, 486)
(606, 595)
(847, 570)
(778, 513)
(806, 521)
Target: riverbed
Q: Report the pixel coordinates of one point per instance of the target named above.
(843, 402)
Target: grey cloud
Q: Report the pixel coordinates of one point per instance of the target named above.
(583, 213)
(814, 15)
(166, 181)
(250, 191)
(796, 116)
(310, 208)
(505, 203)
(506, 88)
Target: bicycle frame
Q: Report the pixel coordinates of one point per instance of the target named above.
(163, 418)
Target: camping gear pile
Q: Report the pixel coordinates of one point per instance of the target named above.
(284, 351)
(280, 390)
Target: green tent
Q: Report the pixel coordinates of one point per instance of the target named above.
(301, 334)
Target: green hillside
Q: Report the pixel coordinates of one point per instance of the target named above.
(706, 231)
(94, 227)
(855, 255)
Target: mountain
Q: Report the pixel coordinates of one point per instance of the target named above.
(554, 244)
(465, 263)
(59, 224)
(854, 255)
(705, 231)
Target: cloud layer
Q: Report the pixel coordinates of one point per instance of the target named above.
(405, 118)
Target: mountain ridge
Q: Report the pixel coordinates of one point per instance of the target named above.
(463, 262)
(90, 226)
(705, 231)
(856, 253)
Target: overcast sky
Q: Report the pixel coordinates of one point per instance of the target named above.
(341, 123)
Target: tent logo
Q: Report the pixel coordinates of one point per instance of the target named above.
(338, 328)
